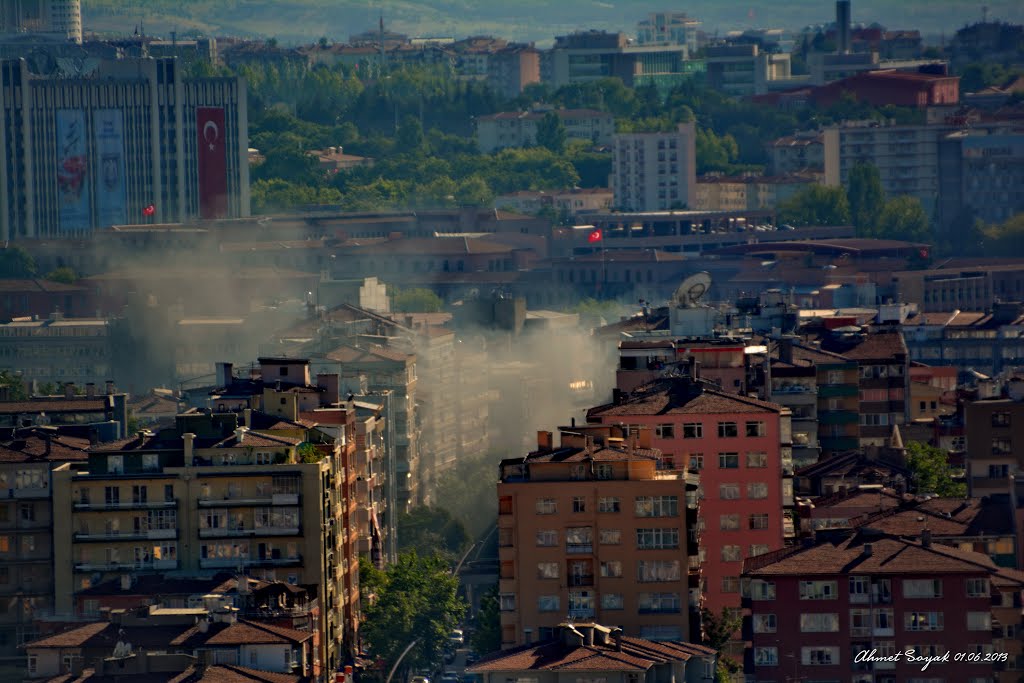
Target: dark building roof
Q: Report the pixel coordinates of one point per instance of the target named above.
(679, 396)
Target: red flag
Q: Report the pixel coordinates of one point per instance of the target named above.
(212, 160)
(923, 253)
(149, 210)
(594, 236)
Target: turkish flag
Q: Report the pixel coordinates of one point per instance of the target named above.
(594, 236)
(149, 210)
(212, 158)
(923, 253)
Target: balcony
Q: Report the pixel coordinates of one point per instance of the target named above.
(242, 532)
(27, 493)
(581, 613)
(838, 417)
(581, 580)
(838, 390)
(152, 535)
(133, 505)
(233, 562)
(579, 548)
(156, 565)
(274, 499)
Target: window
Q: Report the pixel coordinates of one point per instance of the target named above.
(115, 464)
(140, 494)
(658, 603)
(757, 460)
(547, 538)
(657, 506)
(610, 536)
(922, 588)
(150, 462)
(696, 462)
(731, 553)
(727, 430)
(818, 590)
(547, 603)
(729, 522)
(922, 621)
(860, 589)
(27, 512)
(578, 472)
(579, 504)
(112, 495)
(884, 620)
(765, 623)
(611, 601)
(608, 504)
(729, 491)
(758, 549)
(819, 656)
(693, 430)
(612, 569)
(579, 540)
(546, 506)
(979, 621)
(762, 590)
(766, 656)
(977, 588)
(547, 570)
(728, 461)
(507, 602)
(665, 431)
(657, 539)
(1001, 419)
(603, 471)
(860, 622)
(730, 584)
(657, 571)
(756, 428)
(1001, 446)
(757, 490)
(823, 622)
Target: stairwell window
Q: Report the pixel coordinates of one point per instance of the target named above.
(727, 430)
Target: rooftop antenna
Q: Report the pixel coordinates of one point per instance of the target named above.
(690, 290)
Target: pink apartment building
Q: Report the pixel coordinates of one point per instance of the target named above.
(737, 445)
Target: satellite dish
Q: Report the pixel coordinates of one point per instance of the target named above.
(690, 291)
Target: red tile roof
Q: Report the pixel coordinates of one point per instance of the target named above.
(34, 448)
(222, 673)
(240, 633)
(675, 397)
(58, 405)
(76, 637)
(878, 346)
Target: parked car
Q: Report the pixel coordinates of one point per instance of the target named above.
(449, 677)
(419, 679)
(457, 637)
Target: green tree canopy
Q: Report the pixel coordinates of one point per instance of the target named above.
(16, 390)
(551, 133)
(487, 637)
(430, 531)
(417, 599)
(903, 218)
(16, 263)
(717, 631)
(416, 299)
(929, 469)
(1005, 239)
(63, 274)
(866, 197)
(816, 205)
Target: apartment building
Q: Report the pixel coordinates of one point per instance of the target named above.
(740, 193)
(811, 610)
(58, 349)
(995, 441)
(973, 289)
(591, 55)
(55, 19)
(985, 341)
(668, 28)
(655, 171)
(100, 416)
(519, 129)
(26, 527)
(212, 495)
(592, 529)
(512, 68)
(745, 69)
(798, 152)
(741, 449)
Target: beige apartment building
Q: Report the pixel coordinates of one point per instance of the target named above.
(209, 496)
(655, 171)
(592, 530)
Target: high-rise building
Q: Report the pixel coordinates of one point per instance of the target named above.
(593, 530)
(58, 18)
(668, 28)
(117, 142)
(655, 171)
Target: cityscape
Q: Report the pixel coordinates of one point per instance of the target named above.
(562, 348)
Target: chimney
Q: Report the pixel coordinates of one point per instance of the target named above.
(126, 582)
(224, 374)
(867, 550)
(331, 385)
(694, 370)
(544, 440)
(588, 634)
(69, 390)
(786, 350)
(90, 389)
(571, 637)
(617, 397)
(617, 635)
(110, 387)
(188, 438)
(926, 538)
(247, 418)
(240, 434)
(843, 26)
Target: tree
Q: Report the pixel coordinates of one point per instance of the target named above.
(816, 205)
(416, 300)
(487, 637)
(432, 531)
(929, 471)
(866, 197)
(903, 218)
(417, 599)
(409, 136)
(551, 133)
(718, 631)
(468, 493)
(16, 390)
(1005, 239)
(63, 274)
(15, 262)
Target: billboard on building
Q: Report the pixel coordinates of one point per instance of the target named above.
(212, 158)
(73, 195)
(111, 191)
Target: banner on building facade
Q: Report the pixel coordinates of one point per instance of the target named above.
(212, 159)
(111, 189)
(73, 195)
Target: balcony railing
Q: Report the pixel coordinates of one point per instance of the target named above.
(228, 532)
(231, 501)
(152, 534)
(579, 548)
(582, 613)
(26, 493)
(127, 505)
(581, 579)
(126, 566)
(230, 562)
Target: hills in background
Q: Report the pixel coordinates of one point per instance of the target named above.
(303, 21)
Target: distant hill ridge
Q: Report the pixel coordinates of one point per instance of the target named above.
(298, 21)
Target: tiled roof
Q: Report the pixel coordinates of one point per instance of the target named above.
(637, 654)
(887, 556)
(240, 633)
(910, 523)
(34, 448)
(223, 673)
(21, 286)
(370, 354)
(878, 346)
(675, 397)
(258, 440)
(61, 405)
(599, 454)
(75, 637)
(154, 584)
(434, 245)
(858, 499)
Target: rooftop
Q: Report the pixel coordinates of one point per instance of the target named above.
(678, 396)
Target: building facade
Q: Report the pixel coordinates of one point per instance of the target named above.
(655, 171)
(745, 69)
(995, 442)
(61, 19)
(592, 529)
(119, 142)
(519, 129)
